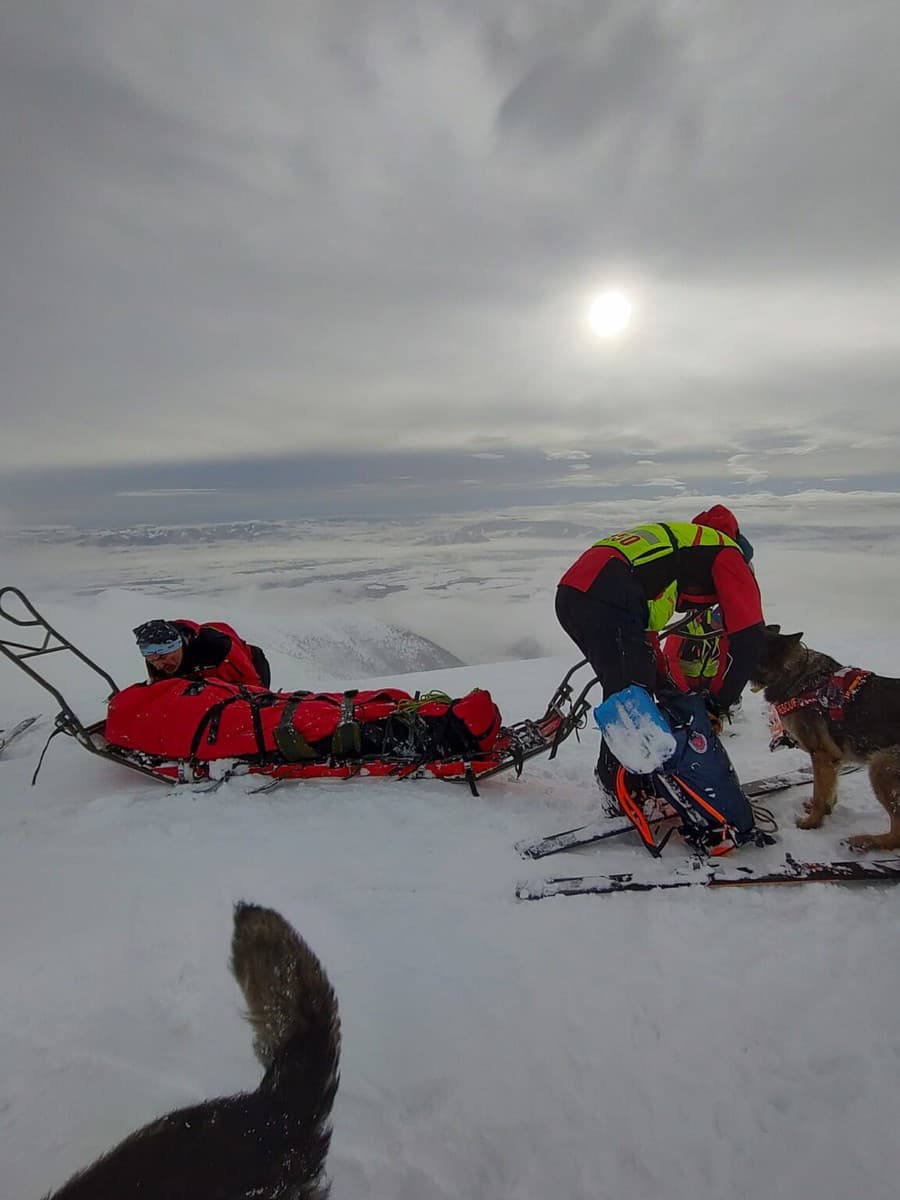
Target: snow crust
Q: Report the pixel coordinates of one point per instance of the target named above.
(679, 1046)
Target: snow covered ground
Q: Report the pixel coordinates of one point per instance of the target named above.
(673, 1046)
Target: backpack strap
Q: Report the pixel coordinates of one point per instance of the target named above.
(212, 718)
(291, 743)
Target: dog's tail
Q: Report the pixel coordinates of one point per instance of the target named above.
(294, 1013)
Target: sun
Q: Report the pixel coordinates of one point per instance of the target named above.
(609, 314)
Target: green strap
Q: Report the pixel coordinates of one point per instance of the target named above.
(291, 743)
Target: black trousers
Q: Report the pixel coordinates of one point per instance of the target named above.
(608, 624)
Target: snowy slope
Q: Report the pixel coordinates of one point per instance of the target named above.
(673, 1047)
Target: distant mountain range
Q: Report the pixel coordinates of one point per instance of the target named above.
(433, 531)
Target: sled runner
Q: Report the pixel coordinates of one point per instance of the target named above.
(366, 734)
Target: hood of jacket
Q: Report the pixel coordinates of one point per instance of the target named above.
(721, 518)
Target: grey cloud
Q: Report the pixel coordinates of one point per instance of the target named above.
(408, 485)
(613, 76)
(750, 134)
(233, 233)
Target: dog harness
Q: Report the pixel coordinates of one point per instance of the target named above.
(832, 696)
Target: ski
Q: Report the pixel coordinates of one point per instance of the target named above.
(788, 779)
(569, 839)
(715, 876)
(603, 829)
(7, 735)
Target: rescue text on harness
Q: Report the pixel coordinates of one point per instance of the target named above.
(832, 696)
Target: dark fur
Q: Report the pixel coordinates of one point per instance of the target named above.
(869, 732)
(266, 1144)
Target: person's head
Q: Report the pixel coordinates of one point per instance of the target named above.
(161, 644)
(723, 519)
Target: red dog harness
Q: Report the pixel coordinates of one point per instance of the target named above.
(832, 696)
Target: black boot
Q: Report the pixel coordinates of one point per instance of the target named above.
(605, 774)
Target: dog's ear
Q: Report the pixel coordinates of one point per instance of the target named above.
(776, 629)
(793, 637)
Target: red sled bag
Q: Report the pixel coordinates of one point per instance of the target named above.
(208, 719)
(469, 726)
(480, 716)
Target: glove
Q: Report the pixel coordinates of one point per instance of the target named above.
(716, 713)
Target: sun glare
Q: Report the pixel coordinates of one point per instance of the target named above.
(609, 314)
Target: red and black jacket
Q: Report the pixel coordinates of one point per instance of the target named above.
(215, 651)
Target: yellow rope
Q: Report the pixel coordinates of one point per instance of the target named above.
(416, 702)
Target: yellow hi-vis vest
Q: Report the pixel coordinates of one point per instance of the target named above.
(700, 659)
(646, 543)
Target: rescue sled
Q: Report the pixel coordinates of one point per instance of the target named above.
(341, 756)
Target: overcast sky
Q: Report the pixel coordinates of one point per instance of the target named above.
(366, 232)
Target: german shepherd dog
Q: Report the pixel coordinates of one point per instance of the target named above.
(869, 731)
(268, 1143)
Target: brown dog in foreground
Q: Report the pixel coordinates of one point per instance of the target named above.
(268, 1143)
(862, 724)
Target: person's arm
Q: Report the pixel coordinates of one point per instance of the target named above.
(672, 649)
(261, 665)
(742, 620)
(230, 658)
(209, 648)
